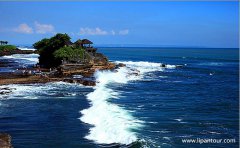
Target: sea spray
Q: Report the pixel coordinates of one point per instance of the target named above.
(112, 123)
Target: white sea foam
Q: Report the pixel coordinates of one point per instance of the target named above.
(34, 91)
(179, 120)
(214, 132)
(152, 122)
(25, 48)
(144, 66)
(167, 138)
(24, 58)
(114, 124)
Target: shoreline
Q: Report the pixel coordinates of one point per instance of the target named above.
(59, 75)
(16, 51)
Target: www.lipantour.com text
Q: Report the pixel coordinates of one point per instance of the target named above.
(208, 140)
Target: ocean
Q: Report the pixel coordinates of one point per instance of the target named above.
(195, 97)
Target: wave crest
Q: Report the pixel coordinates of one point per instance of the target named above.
(114, 124)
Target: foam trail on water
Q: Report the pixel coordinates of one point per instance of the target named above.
(144, 66)
(35, 91)
(24, 58)
(26, 48)
(114, 124)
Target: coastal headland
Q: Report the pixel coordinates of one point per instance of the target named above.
(59, 60)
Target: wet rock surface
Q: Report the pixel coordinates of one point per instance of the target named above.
(82, 81)
(5, 90)
(65, 75)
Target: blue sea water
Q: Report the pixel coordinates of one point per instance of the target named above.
(157, 107)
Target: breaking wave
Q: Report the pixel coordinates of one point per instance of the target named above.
(112, 123)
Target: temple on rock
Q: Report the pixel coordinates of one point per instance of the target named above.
(90, 58)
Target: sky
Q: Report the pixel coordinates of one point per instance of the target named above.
(164, 24)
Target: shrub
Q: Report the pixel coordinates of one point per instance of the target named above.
(70, 54)
(7, 47)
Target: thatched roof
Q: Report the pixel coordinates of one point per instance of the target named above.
(86, 41)
(78, 43)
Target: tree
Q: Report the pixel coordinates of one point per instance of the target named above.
(47, 47)
(41, 44)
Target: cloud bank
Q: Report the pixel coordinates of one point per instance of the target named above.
(43, 28)
(38, 28)
(99, 31)
(92, 31)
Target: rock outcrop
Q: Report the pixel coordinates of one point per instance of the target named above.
(64, 73)
(86, 70)
(65, 67)
(5, 140)
(82, 81)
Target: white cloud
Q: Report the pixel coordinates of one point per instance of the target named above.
(23, 28)
(43, 28)
(92, 31)
(99, 31)
(123, 32)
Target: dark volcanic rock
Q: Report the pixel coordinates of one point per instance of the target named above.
(82, 81)
(163, 65)
(5, 90)
(88, 83)
(5, 140)
(120, 65)
(100, 59)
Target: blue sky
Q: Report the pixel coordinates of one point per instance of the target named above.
(191, 24)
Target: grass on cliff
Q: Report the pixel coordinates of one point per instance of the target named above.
(7, 47)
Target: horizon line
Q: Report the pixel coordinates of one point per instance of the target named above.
(120, 1)
(141, 46)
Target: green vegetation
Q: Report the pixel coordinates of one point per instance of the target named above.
(52, 51)
(7, 47)
(46, 48)
(70, 54)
